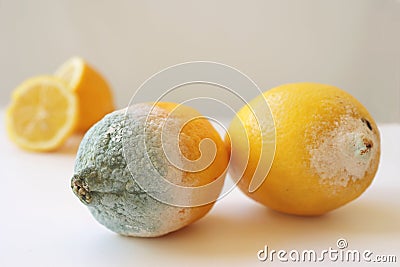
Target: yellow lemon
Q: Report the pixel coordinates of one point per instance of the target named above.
(327, 148)
(42, 114)
(95, 97)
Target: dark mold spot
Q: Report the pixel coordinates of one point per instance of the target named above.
(368, 145)
(367, 123)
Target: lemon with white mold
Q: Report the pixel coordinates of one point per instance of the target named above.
(106, 179)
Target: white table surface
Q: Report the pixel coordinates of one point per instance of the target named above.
(43, 224)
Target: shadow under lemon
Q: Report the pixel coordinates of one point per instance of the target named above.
(222, 234)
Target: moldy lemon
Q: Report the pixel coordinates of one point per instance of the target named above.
(327, 148)
(106, 181)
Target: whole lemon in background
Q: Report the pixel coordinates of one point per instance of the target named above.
(94, 95)
(42, 114)
(107, 169)
(327, 148)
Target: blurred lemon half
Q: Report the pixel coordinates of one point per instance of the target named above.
(42, 114)
(94, 94)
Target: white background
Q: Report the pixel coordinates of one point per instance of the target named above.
(353, 44)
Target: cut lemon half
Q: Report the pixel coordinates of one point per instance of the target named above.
(93, 92)
(42, 114)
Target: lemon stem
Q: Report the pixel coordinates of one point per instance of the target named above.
(81, 189)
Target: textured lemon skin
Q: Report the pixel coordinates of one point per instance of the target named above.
(111, 192)
(305, 117)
